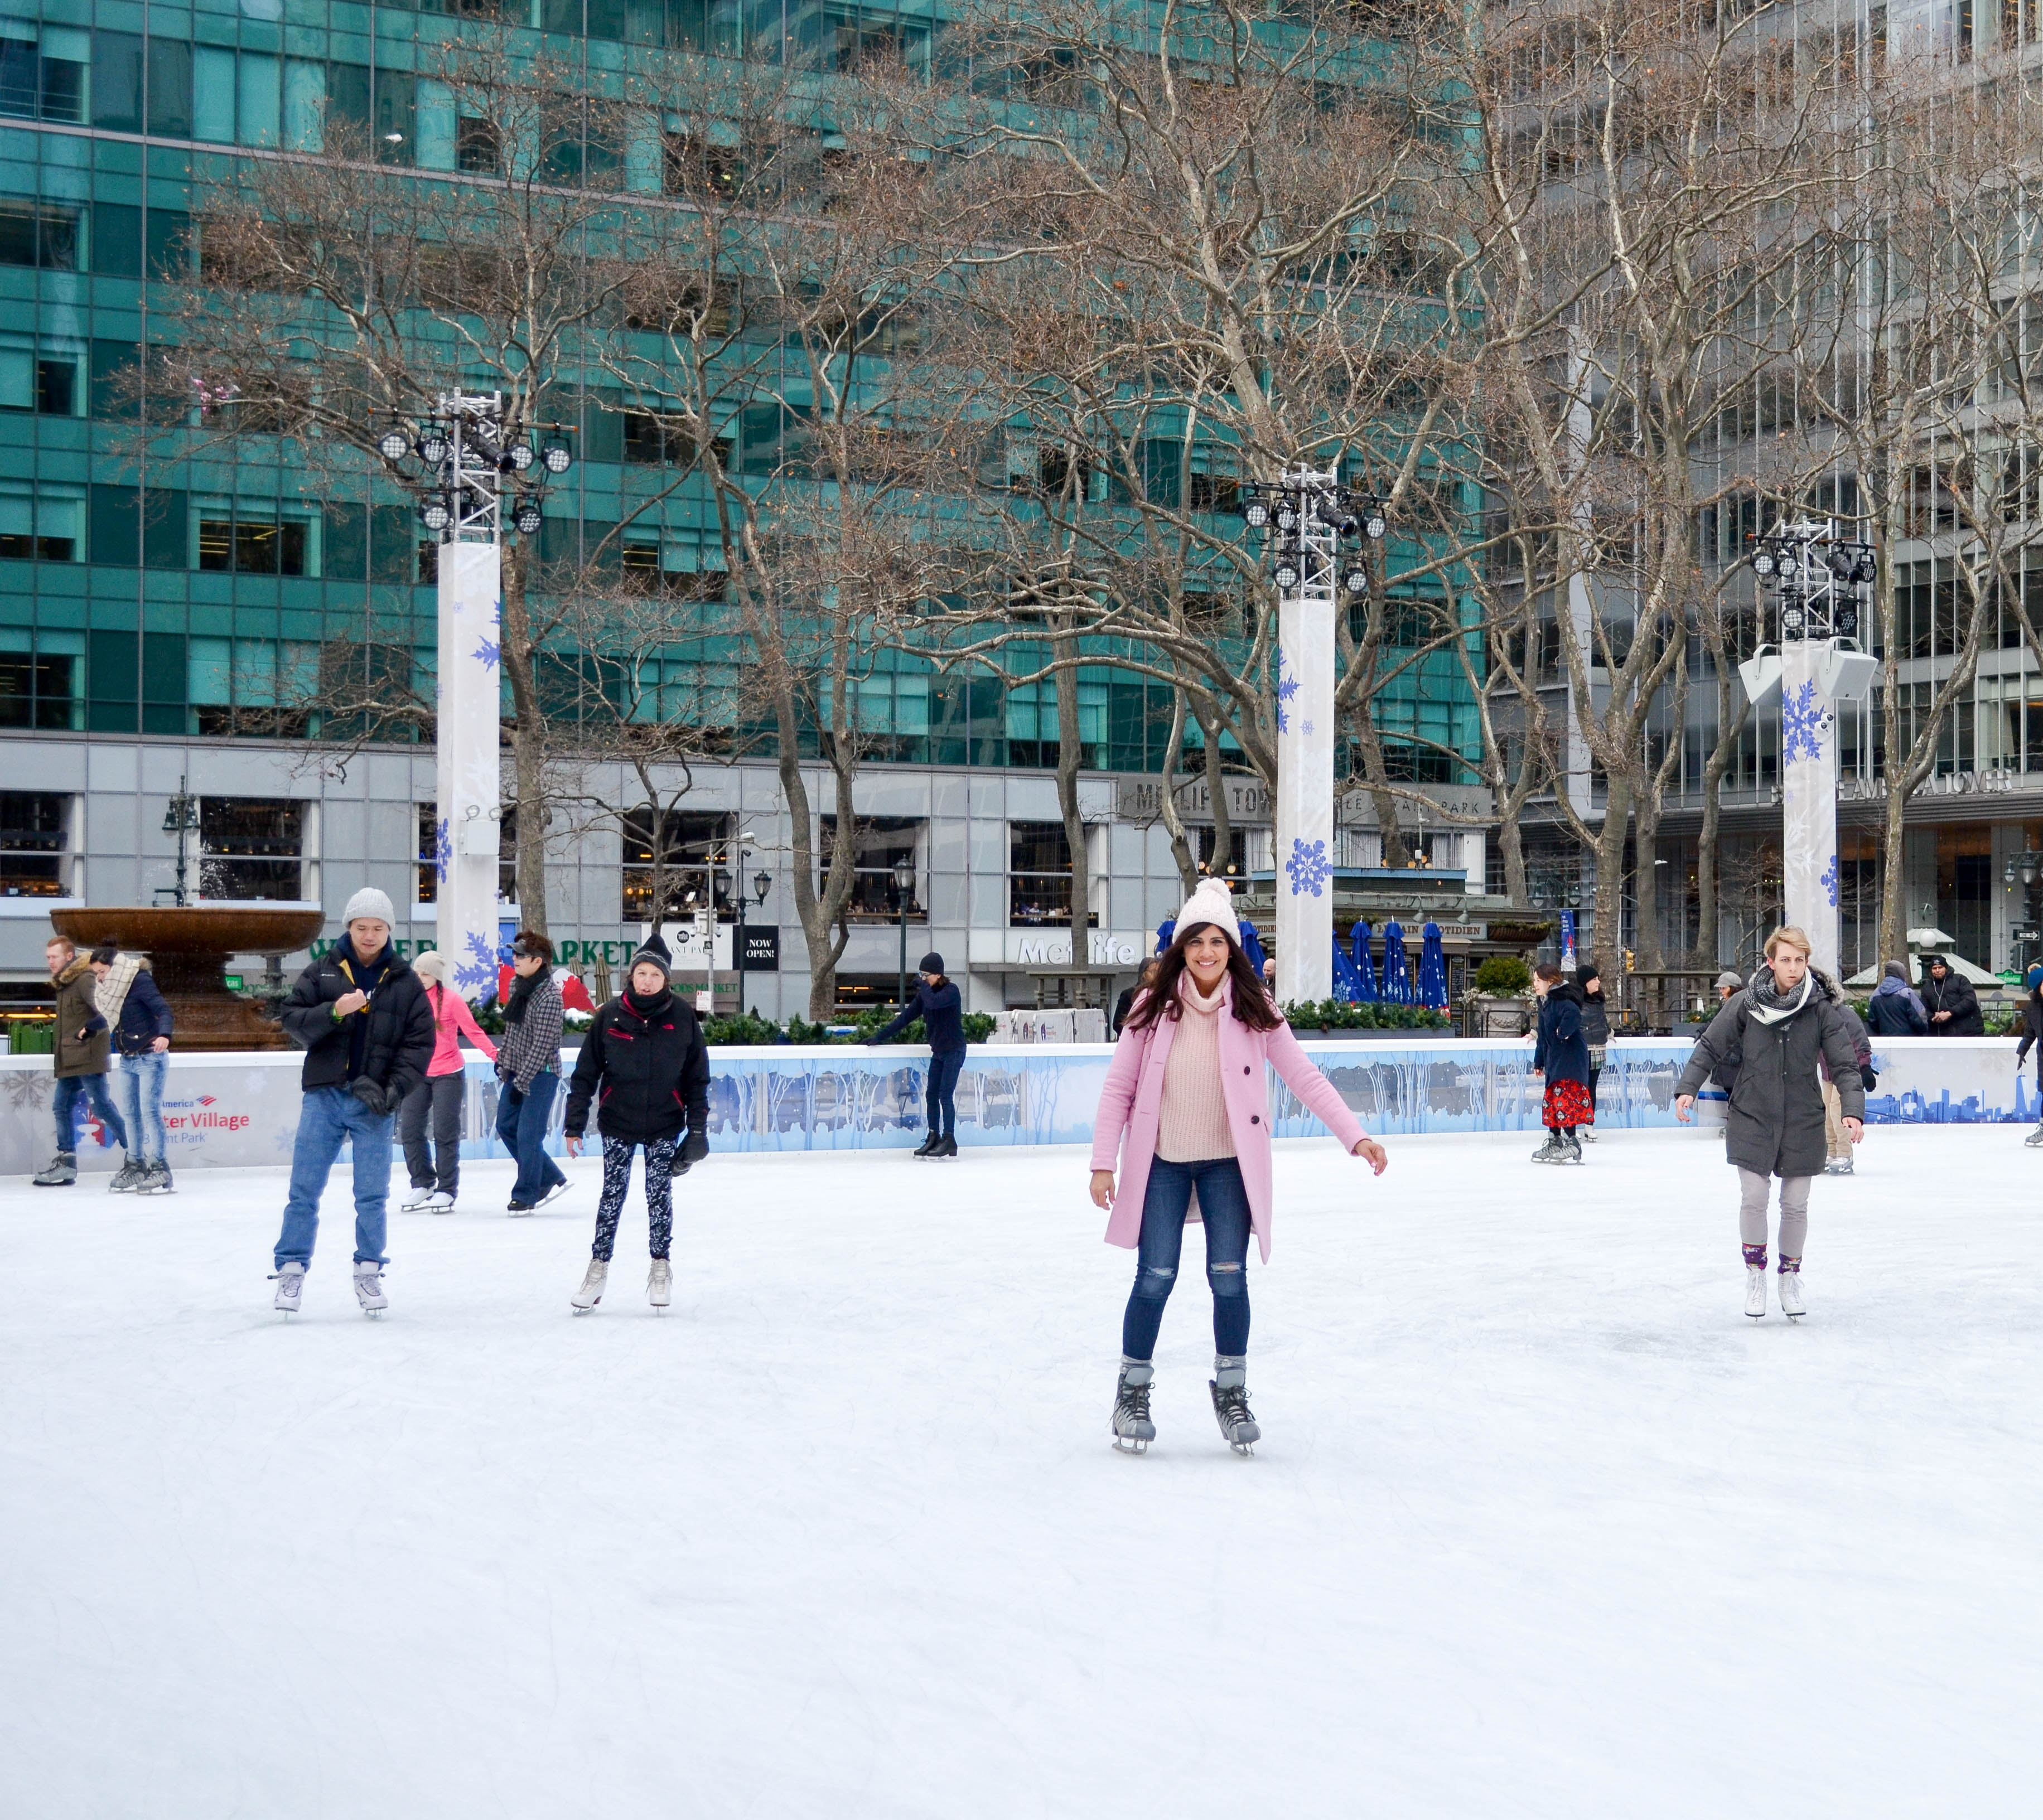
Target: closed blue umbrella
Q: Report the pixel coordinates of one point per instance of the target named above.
(1432, 969)
(1396, 974)
(1365, 965)
(1348, 983)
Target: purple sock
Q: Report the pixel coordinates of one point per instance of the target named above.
(1755, 1257)
(1787, 1264)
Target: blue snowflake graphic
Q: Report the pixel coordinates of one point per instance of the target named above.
(1802, 719)
(1287, 687)
(443, 851)
(478, 972)
(1310, 867)
(1829, 881)
(488, 652)
(1306, 729)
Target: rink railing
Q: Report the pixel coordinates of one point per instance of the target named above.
(236, 1110)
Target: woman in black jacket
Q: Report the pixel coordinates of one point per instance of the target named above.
(1953, 1006)
(1596, 1031)
(646, 1053)
(940, 1006)
(1562, 1057)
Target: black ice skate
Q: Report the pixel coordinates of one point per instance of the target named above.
(944, 1146)
(1133, 1429)
(1229, 1386)
(926, 1146)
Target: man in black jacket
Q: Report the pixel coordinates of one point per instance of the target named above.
(646, 1053)
(1948, 997)
(361, 1016)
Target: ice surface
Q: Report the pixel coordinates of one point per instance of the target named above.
(1541, 1524)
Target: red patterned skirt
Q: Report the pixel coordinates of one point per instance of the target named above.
(1568, 1102)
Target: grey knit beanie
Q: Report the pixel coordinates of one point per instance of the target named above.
(369, 901)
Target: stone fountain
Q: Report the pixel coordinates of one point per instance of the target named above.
(188, 951)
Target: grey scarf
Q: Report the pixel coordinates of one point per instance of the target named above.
(1767, 1003)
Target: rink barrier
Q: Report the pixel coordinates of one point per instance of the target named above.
(226, 1111)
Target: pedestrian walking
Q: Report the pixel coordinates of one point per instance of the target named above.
(937, 1001)
(1561, 1056)
(645, 1068)
(360, 1015)
(435, 1168)
(528, 1072)
(1894, 1009)
(1782, 1026)
(79, 1053)
(1125, 1002)
(1947, 996)
(1595, 1032)
(1838, 1158)
(139, 1018)
(1185, 1107)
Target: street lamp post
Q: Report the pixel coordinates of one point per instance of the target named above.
(181, 818)
(762, 882)
(1319, 529)
(719, 886)
(1816, 578)
(746, 838)
(904, 884)
(471, 468)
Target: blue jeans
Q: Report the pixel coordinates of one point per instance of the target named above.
(1224, 1206)
(140, 1086)
(332, 1115)
(944, 1071)
(94, 1086)
(521, 1126)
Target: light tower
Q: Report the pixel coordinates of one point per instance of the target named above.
(473, 467)
(1317, 526)
(1816, 578)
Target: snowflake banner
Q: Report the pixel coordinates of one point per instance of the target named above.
(1304, 846)
(1808, 801)
(464, 857)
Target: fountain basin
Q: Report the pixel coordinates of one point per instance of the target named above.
(188, 950)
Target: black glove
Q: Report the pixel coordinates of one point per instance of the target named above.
(694, 1148)
(373, 1097)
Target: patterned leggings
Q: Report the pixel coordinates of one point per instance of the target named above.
(659, 1194)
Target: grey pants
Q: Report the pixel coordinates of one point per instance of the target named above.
(441, 1095)
(1753, 1193)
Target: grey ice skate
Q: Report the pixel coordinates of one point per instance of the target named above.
(290, 1289)
(1551, 1151)
(1133, 1429)
(369, 1288)
(591, 1292)
(62, 1170)
(156, 1178)
(129, 1176)
(2034, 1140)
(1571, 1148)
(1229, 1386)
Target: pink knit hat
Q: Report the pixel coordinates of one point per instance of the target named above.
(1212, 903)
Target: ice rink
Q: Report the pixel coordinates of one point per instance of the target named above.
(1540, 1525)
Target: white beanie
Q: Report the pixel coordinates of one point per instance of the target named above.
(369, 901)
(1212, 903)
(431, 966)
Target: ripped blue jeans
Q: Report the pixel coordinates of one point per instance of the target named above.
(1224, 1206)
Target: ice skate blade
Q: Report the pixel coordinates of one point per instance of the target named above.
(1244, 1449)
(1122, 1444)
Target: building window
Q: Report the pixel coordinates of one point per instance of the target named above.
(478, 145)
(43, 80)
(42, 234)
(44, 380)
(34, 528)
(687, 843)
(40, 687)
(250, 848)
(429, 853)
(1039, 874)
(232, 544)
(880, 843)
(32, 843)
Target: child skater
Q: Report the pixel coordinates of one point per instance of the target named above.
(1187, 1090)
(645, 1052)
(1562, 1057)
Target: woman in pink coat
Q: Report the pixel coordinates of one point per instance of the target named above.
(1187, 1088)
(436, 1172)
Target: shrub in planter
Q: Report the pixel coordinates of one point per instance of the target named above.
(1504, 976)
(1336, 1014)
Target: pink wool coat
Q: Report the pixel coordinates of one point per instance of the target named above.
(1132, 1101)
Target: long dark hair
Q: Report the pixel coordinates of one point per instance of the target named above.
(1252, 1002)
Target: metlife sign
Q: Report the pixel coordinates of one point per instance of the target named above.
(1022, 948)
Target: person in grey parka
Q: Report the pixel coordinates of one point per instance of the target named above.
(1781, 1026)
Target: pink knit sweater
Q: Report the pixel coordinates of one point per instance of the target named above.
(1191, 1124)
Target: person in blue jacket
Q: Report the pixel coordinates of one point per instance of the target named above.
(1562, 1057)
(940, 1006)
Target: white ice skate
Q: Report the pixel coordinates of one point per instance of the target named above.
(1755, 1290)
(439, 1201)
(591, 1292)
(1790, 1291)
(659, 1285)
(1133, 1429)
(1229, 1386)
(290, 1288)
(1839, 1166)
(415, 1199)
(369, 1288)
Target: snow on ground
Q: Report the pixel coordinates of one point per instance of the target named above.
(1541, 1525)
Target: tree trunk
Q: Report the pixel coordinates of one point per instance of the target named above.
(1071, 754)
(528, 738)
(1395, 852)
(1893, 866)
(1609, 945)
(1181, 845)
(1223, 853)
(1511, 842)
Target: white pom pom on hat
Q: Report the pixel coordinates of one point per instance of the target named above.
(1212, 902)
